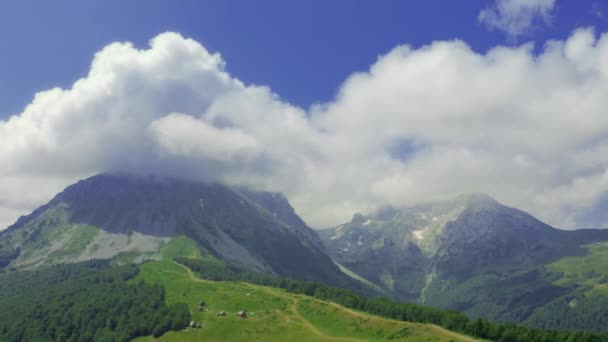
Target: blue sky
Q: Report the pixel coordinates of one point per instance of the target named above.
(303, 50)
(320, 100)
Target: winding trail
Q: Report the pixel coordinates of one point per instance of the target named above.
(293, 307)
(192, 275)
(293, 300)
(295, 311)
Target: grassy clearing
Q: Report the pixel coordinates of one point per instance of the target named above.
(78, 238)
(273, 314)
(181, 247)
(590, 269)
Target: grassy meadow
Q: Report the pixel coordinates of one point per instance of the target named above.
(273, 314)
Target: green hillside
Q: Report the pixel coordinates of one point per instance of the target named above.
(586, 302)
(273, 314)
(590, 269)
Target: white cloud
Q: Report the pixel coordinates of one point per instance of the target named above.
(517, 17)
(184, 136)
(529, 129)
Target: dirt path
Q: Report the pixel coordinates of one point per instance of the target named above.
(293, 308)
(293, 301)
(192, 275)
(365, 315)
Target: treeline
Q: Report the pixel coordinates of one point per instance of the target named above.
(7, 255)
(448, 319)
(583, 310)
(84, 302)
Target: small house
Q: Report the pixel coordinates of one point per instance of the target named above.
(242, 314)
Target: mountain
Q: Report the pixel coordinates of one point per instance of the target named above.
(134, 218)
(475, 255)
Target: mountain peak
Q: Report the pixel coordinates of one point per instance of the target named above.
(476, 200)
(358, 218)
(478, 197)
(118, 214)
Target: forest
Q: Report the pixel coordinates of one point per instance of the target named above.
(89, 301)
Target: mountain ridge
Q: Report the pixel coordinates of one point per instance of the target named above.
(470, 254)
(257, 230)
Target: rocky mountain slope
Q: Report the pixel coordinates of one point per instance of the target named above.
(394, 247)
(132, 218)
(471, 254)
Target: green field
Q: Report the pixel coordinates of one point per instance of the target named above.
(273, 314)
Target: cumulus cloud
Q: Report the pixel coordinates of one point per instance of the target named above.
(516, 17)
(529, 129)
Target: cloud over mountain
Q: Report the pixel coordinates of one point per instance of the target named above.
(421, 124)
